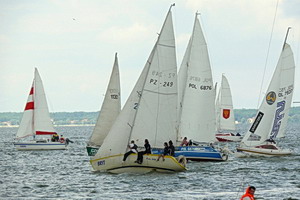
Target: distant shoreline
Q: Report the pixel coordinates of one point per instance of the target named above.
(16, 126)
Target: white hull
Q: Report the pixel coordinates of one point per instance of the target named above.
(262, 152)
(113, 164)
(34, 145)
(228, 138)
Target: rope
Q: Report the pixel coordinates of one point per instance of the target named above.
(262, 80)
(243, 182)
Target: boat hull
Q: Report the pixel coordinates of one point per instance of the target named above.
(201, 153)
(228, 138)
(114, 164)
(91, 150)
(34, 145)
(261, 152)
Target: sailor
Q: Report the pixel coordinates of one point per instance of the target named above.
(141, 153)
(184, 142)
(133, 149)
(55, 137)
(171, 148)
(62, 139)
(166, 152)
(249, 194)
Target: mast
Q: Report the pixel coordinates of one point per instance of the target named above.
(34, 103)
(287, 33)
(141, 92)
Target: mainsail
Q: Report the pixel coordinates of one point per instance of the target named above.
(197, 107)
(150, 111)
(271, 118)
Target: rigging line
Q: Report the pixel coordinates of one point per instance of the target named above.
(262, 80)
(297, 58)
(243, 177)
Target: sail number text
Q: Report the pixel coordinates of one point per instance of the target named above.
(201, 87)
(285, 90)
(164, 84)
(160, 74)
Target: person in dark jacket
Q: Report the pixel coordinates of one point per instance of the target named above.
(166, 152)
(141, 153)
(171, 148)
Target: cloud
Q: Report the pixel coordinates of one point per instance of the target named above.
(135, 32)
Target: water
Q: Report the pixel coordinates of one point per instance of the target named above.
(68, 174)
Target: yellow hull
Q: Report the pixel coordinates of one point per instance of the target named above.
(114, 164)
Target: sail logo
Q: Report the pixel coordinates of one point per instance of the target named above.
(256, 122)
(271, 98)
(226, 113)
(277, 120)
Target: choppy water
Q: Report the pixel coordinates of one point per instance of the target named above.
(68, 174)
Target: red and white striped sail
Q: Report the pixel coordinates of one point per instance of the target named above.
(36, 119)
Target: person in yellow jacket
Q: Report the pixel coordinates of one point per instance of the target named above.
(249, 194)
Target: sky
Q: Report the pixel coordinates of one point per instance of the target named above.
(73, 42)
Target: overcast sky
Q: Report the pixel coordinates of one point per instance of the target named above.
(73, 42)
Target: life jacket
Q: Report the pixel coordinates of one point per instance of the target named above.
(247, 194)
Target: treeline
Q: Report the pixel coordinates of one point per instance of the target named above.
(59, 118)
(80, 118)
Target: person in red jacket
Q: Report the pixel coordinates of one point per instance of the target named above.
(249, 194)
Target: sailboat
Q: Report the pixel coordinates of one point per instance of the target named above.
(196, 115)
(225, 115)
(271, 119)
(111, 107)
(149, 113)
(36, 121)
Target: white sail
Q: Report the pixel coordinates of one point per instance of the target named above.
(150, 110)
(224, 107)
(182, 76)
(26, 124)
(42, 122)
(271, 119)
(36, 119)
(157, 113)
(197, 120)
(110, 109)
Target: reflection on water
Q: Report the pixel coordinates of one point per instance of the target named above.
(68, 174)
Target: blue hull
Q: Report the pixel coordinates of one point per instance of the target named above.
(200, 153)
(197, 153)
